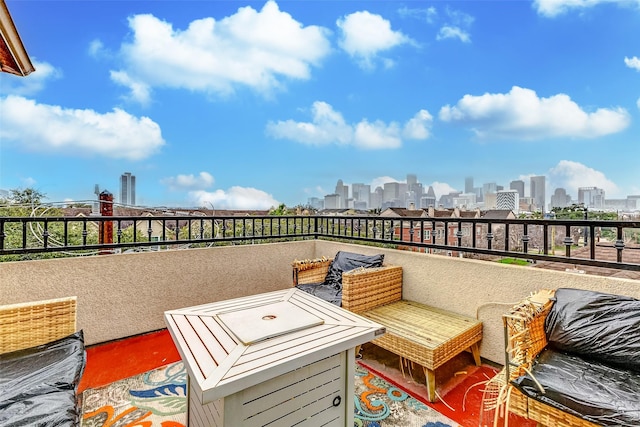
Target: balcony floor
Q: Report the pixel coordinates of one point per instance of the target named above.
(459, 382)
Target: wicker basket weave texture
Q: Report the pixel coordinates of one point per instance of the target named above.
(30, 324)
(367, 288)
(425, 335)
(310, 271)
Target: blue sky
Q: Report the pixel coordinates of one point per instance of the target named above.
(250, 104)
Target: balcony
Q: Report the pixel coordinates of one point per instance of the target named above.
(125, 294)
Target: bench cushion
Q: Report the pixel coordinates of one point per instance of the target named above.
(38, 384)
(597, 325)
(587, 388)
(347, 261)
(327, 292)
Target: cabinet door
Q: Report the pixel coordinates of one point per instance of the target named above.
(313, 395)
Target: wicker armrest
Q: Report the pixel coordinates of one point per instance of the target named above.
(34, 323)
(524, 331)
(310, 270)
(367, 288)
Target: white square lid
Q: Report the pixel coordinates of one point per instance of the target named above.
(258, 323)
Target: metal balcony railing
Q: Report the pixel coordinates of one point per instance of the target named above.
(608, 244)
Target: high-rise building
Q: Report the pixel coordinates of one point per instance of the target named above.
(468, 184)
(127, 189)
(537, 191)
(428, 199)
(489, 187)
(508, 200)
(560, 198)
(332, 201)
(391, 195)
(343, 191)
(361, 195)
(517, 185)
(591, 197)
(376, 198)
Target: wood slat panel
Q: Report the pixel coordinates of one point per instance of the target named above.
(298, 376)
(198, 351)
(209, 415)
(226, 340)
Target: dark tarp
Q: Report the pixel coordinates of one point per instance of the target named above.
(38, 385)
(331, 289)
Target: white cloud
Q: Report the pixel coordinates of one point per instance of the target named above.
(377, 135)
(633, 62)
(33, 83)
(189, 182)
(234, 198)
(50, 128)
(329, 127)
(428, 14)
(216, 57)
(449, 32)
(552, 8)
(521, 114)
(28, 182)
(573, 175)
(365, 35)
(440, 188)
(382, 180)
(638, 103)
(419, 126)
(457, 26)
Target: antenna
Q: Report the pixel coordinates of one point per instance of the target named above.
(96, 190)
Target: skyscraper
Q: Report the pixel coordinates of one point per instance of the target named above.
(518, 185)
(343, 191)
(127, 189)
(508, 200)
(361, 193)
(538, 192)
(468, 184)
(591, 197)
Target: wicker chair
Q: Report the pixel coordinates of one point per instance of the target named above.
(30, 324)
(362, 288)
(525, 338)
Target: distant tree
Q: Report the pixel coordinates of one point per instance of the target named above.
(28, 196)
(281, 210)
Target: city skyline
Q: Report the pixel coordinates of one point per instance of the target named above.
(248, 104)
(411, 193)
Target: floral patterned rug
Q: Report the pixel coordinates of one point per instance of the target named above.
(158, 398)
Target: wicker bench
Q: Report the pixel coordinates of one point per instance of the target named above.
(39, 345)
(416, 332)
(527, 340)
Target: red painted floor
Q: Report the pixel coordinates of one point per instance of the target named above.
(120, 359)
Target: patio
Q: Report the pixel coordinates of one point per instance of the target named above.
(126, 295)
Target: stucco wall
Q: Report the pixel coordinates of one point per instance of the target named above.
(123, 295)
(127, 294)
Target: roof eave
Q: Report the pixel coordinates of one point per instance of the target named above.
(14, 57)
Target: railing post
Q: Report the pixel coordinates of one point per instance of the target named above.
(106, 227)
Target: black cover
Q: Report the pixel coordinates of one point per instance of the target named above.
(38, 385)
(347, 261)
(331, 289)
(589, 389)
(331, 293)
(600, 326)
